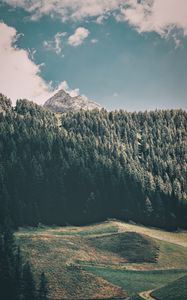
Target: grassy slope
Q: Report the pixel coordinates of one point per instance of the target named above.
(144, 249)
(137, 281)
(178, 238)
(67, 254)
(176, 290)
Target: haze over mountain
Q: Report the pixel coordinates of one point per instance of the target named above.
(63, 102)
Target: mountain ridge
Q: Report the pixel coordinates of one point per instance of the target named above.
(62, 102)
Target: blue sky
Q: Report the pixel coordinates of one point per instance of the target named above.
(110, 54)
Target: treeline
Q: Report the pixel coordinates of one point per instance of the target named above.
(94, 166)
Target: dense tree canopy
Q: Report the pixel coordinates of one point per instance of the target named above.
(94, 165)
(16, 279)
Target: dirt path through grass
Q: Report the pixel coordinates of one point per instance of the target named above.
(147, 295)
(178, 238)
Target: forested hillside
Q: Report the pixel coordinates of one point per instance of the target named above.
(95, 165)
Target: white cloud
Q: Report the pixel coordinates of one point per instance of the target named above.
(67, 9)
(32, 53)
(145, 15)
(20, 76)
(72, 92)
(56, 44)
(177, 41)
(78, 37)
(102, 18)
(160, 16)
(94, 41)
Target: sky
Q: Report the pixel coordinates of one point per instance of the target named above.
(123, 54)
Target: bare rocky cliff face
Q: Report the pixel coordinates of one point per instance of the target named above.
(62, 102)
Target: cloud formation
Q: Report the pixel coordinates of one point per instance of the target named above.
(67, 9)
(155, 15)
(78, 37)
(20, 76)
(72, 92)
(56, 44)
(94, 41)
(145, 15)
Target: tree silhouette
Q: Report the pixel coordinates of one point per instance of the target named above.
(43, 289)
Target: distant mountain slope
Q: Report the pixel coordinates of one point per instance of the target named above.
(63, 102)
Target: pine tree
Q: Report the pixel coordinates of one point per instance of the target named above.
(18, 274)
(29, 289)
(10, 265)
(43, 289)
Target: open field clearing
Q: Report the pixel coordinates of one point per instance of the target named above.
(105, 260)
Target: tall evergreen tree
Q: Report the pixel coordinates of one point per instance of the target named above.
(43, 288)
(15, 283)
(28, 288)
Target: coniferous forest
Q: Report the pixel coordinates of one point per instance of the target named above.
(16, 278)
(88, 166)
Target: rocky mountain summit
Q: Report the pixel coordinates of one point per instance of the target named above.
(62, 102)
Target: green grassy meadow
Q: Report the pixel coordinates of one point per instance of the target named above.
(176, 290)
(104, 261)
(137, 281)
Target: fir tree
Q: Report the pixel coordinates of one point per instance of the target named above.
(28, 289)
(43, 289)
